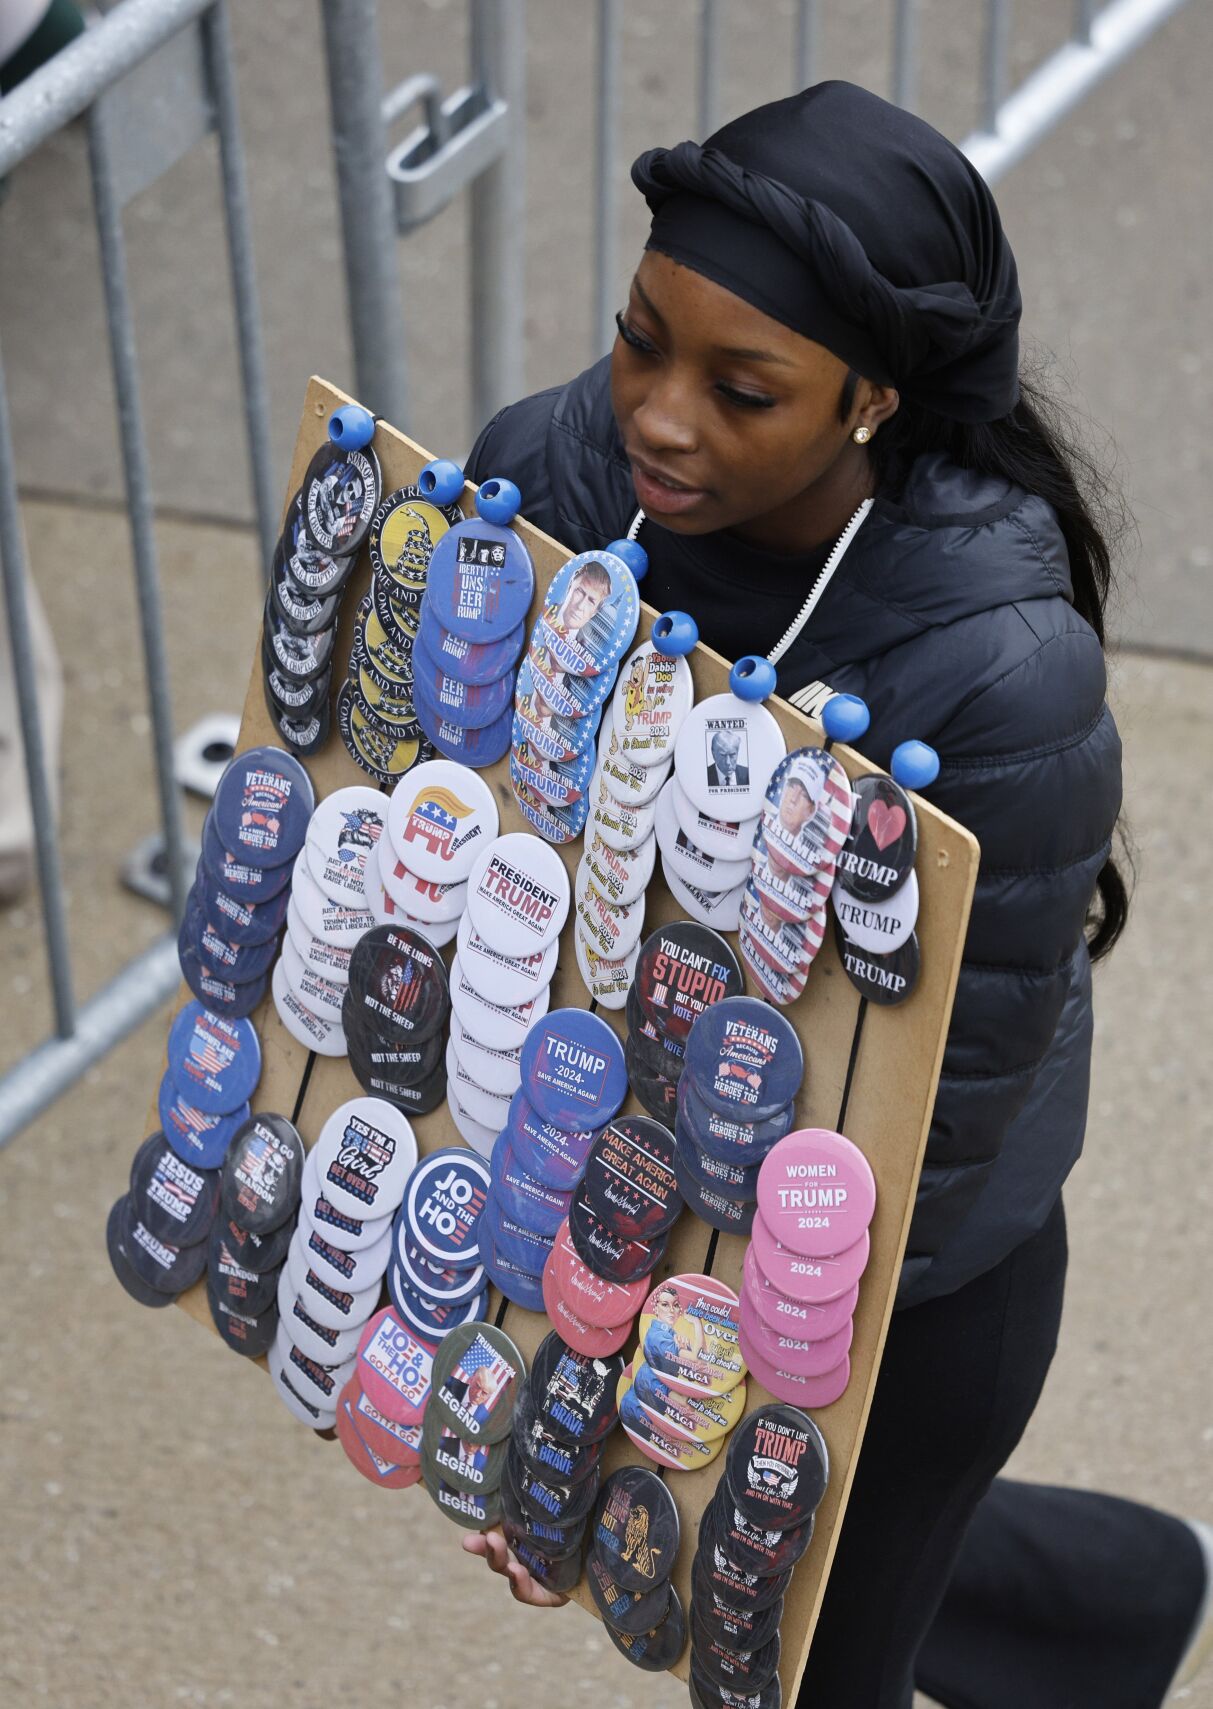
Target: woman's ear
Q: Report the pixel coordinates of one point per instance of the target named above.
(873, 405)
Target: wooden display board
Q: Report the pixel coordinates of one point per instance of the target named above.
(892, 1085)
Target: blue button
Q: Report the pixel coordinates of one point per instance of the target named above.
(481, 580)
(573, 1070)
(196, 1138)
(554, 1155)
(471, 661)
(472, 747)
(214, 1062)
(262, 805)
(744, 1058)
(589, 616)
(470, 705)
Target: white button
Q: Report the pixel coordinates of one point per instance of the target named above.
(439, 817)
(364, 1156)
(497, 1025)
(305, 1028)
(626, 780)
(324, 958)
(721, 911)
(607, 982)
(611, 932)
(723, 839)
(483, 1107)
(421, 898)
(725, 753)
(494, 1071)
(880, 926)
(652, 697)
(341, 834)
(621, 825)
(621, 875)
(508, 980)
(334, 921)
(679, 854)
(518, 894)
(315, 992)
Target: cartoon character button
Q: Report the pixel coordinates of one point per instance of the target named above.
(438, 820)
(607, 981)
(632, 785)
(477, 1373)
(481, 579)
(655, 691)
(589, 616)
(341, 835)
(673, 1450)
(404, 531)
(729, 745)
(703, 1417)
(262, 806)
(688, 1335)
(611, 930)
(621, 825)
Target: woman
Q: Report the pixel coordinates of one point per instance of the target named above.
(817, 370)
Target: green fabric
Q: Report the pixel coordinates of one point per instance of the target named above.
(61, 24)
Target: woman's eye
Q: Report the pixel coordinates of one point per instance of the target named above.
(631, 337)
(745, 400)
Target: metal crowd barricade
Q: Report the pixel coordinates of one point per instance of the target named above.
(154, 76)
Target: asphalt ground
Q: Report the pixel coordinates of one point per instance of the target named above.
(171, 1535)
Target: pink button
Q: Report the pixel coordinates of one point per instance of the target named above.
(801, 1358)
(818, 1279)
(803, 1320)
(581, 1336)
(596, 1301)
(816, 1192)
(362, 1457)
(808, 1392)
(394, 1368)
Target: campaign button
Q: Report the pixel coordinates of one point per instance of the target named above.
(635, 1528)
(817, 1192)
(741, 1628)
(516, 1242)
(752, 1547)
(431, 1319)
(745, 1060)
(720, 909)
(475, 1467)
(473, 662)
(415, 1097)
(494, 1025)
(740, 1673)
(314, 571)
(249, 1333)
(547, 689)
(540, 1447)
(292, 1390)
(620, 876)
(524, 1198)
(399, 1444)
(467, 706)
(879, 852)
(786, 1352)
(547, 1498)
(316, 993)
(394, 1368)
(818, 1279)
(426, 1276)
(664, 1053)
(175, 1202)
(608, 982)
(631, 784)
(692, 864)
(612, 1255)
(318, 1341)
(738, 1591)
(404, 531)
(560, 785)
(479, 746)
(300, 658)
(228, 960)
(786, 894)
(258, 1252)
(219, 994)
(341, 493)
(232, 1283)
(215, 1063)
(518, 895)
(421, 899)
(806, 815)
(481, 1137)
(556, 736)
(316, 1383)
(353, 1271)
(581, 1336)
(658, 1650)
(383, 755)
(387, 656)
(598, 1302)
(557, 1575)
(704, 1418)
(574, 1393)
(397, 613)
(384, 1474)
(773, 984)
(777, 1468)
(483, 1107)
(236, 875)
(472, 1512)
(515, 1282)
(262, 1174)
(329, 1302)
(439, 819)
(477, 1373)
(620, 825)
(442, 1206)
(730, 1180)
(658, 1092)
(717, 839)
(554, 1155)
(323, 957)
(385, 912)
(507, 981)
(481, 580)
(612, 932)
(495, 1071)
(804, 1320)
(719, 1210)
(652, 697)
(724, 755)
(299, 608)
(341, 836)
(882, 979)
(403, 1061)
(398, 985)
(241, 922)
(340, 924)
(684, 969)
(883, 926)
(307, 1028)
(573, 1069)
(589, 616)
(364, 1156)
(630, 1181)
(557, 1542)
(196, 1138)
(626, 1610)
(556, 824)
(688, 1335)
(814, 1391)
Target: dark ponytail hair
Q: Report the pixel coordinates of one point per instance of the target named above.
(1033, 448)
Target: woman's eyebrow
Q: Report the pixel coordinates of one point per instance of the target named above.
(738, 353)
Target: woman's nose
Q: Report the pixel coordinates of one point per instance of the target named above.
(665, 420)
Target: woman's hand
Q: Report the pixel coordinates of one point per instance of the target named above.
(492, 1547)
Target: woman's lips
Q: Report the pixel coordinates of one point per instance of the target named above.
(660, 498)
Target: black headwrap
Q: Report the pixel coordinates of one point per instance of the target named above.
(859, 226)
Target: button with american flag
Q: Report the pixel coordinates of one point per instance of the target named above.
(439, 817)
(477, 1373)
(214, 1062)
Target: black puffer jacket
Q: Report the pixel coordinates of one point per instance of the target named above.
(951, 616)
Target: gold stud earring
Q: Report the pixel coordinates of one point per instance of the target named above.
(861, 435)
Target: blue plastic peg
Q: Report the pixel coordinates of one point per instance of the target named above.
(441, 481)
(914, 765)
(753, 678)
(845, 717)
(351, 427)
(498, 501)
(675, 634)
(633, 555)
